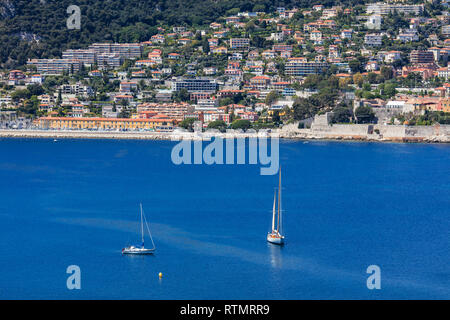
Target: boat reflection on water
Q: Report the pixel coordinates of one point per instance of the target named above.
(276, 259)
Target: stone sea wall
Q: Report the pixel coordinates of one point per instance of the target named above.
(75, 134)
(369, 132)
(363, 132)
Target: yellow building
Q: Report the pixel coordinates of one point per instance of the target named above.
(104, 123)
(219, 50)
(444, 105)
(281, 112)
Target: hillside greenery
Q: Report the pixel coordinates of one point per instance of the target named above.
(37, 28)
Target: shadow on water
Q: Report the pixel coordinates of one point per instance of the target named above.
(139, 257)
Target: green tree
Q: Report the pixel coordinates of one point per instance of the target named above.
(29, 106)
(59, 99)
(259, 8)
(35, 89)
(389, 89)
(205, 46)
(372, 77)
(187, 124)
(124, 113)
(20, 94)
(272, 97)
(182, 95)
(355, 66)
(358, 79)
(386, 72)
(218, 124)
(241, 124)
(304, 108)
(364, 114)
(258, 41)
(341, 115)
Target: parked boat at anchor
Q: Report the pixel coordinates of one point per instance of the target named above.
(276, 236)
(141, 249)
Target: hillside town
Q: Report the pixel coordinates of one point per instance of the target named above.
(383, 63)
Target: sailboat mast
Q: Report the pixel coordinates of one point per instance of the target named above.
(142, 226)
(279, 201)
(274, 209)
(281, 214)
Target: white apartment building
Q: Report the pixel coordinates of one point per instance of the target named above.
(373, 39)
(386, 8)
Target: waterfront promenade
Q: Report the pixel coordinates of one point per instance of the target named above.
(130, 135)
(377, 133)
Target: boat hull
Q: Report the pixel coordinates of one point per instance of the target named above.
(275, 239)
(137, 251)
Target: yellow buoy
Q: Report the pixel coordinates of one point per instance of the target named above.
(160, 274)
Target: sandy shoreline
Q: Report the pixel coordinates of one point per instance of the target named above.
(129, 135)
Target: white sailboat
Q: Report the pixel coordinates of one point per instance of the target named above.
(140, 249)
(275, 236)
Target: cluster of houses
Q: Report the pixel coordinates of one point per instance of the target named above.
(251, 69)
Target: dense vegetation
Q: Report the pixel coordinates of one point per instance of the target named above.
(429, 118)
(37, 28)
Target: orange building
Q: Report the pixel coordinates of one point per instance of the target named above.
(444, 105)
(259, 82)
(156, 123)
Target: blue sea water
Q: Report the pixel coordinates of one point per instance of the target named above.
(347, 206)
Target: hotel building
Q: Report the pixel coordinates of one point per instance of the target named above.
(386, 8)
(171, 110)
(300, 67)
(281, 47)
(59, 123)
(124, 50)
(128, 86)
(373, 39)
(88, 57)
(55, 66)
(239, 43)
(195, 85)
(76, 89)
(421, 56)
(105, 60)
